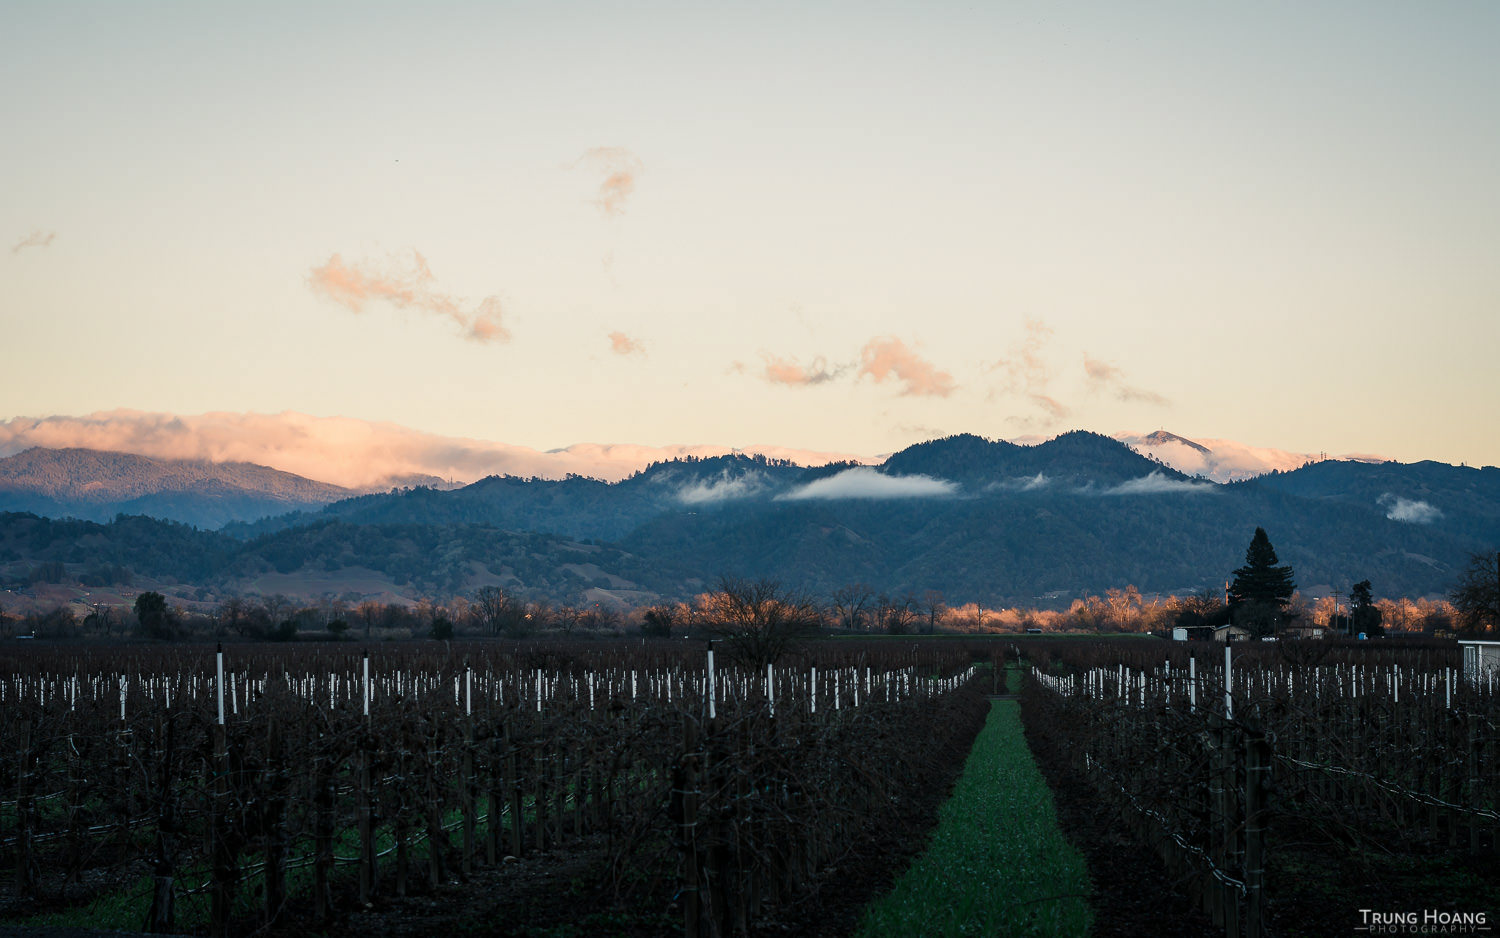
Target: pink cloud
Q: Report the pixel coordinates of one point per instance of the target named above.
(405, 285)
(1106, 377)
(622, 344)
(789, 372)
(888, 357)
(346, 451)
(620, 168)
(1025, 369)
(1054, 408)
(1024, 373)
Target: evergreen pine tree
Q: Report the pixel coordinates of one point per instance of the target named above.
(1364, 615)
(1261, 589)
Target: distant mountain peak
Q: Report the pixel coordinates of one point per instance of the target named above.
(1163, 437)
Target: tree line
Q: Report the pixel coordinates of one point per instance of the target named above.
(1262, 599)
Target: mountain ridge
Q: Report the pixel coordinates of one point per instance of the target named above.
(975, 519)
(97, 485)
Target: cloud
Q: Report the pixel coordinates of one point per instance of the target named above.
(863, 482)
(1024, 373)
(1407, 510)
(1106, 377)
(620, 168)
(37, 239)
(886, 357)
(622, 344)
(405, 287)
(1038, 481)
(789, 372)
(1157, 484)
(1225, 460)
(723, 488)
(1054, 408)
(346, 451)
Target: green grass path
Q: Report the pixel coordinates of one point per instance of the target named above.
(997, 864)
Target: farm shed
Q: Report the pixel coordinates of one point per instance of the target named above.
(1481, 659)
(1231, 633)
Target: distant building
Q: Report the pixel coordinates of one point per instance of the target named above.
(1192, 633)
(1231, 633)
(1481, 659)
(1305, 631)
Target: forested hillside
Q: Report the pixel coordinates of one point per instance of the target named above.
(973, 519)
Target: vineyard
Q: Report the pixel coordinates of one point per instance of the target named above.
(227, 792)
(268, 790)
(1287, 787)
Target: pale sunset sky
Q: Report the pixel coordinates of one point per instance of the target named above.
(842, 227)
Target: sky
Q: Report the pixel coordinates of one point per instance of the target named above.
(835, 227)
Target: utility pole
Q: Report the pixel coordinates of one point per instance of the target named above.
(1334, 619)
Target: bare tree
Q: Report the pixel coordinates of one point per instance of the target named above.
(500, 612)
(1476, 596)
(851, 605)
(567, 617)
(369, 613)
(896, 614)
(757, 620)
(934, 607)
(279, 608)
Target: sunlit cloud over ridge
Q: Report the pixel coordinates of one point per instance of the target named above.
(1221, 460)
(405, 283)
(1411, 511)
(864, 482)
(1023, 484)
(1158, 484)
(723, 487)
(351, 452)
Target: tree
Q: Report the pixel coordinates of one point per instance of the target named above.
(369, 613)
(152, 615)
(896, 614)
(1205, 608)
(1261, 589)
(933, 605)
(1364, 615)
(442, 628)
(1476, 596)
(757, 620)
(501, 612)
(657, 621)
(851, 605)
